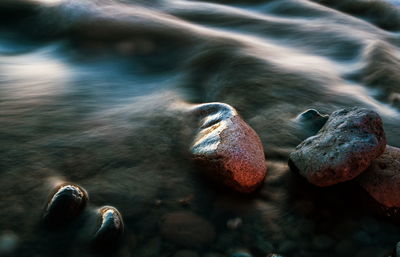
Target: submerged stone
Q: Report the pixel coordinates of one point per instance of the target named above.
(382, 179)
(227, 148)
(111, 228)
(187, 229)
(344, 147)
(66, 203)
(311, 120)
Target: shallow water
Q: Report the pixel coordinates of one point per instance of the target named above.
(95, 92)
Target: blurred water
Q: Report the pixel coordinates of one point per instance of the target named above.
(95, 92)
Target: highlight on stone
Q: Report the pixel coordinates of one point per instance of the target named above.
(227, 148)
(110, 228)
(65, 204)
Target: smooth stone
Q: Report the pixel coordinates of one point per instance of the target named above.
(8, 243)
(344, 147)
(312, 120)
(382, 179)
(187, 229)
(234, 223)
(186, 253)
(228, 149)
(240, 254)
(111, 228)
(65, 204)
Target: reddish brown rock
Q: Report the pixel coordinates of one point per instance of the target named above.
(382, 179)
(187, 229)
(228, 149)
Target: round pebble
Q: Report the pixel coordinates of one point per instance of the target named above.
(111, 228)
(65, 204)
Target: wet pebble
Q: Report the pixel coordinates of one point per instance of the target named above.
(228, 149)
(65, 204)
(8, 243)
(234, 223)
(240, 254)
(344, 147)
(311, 120)
(111, 228)
(187, 229)
(382, 179)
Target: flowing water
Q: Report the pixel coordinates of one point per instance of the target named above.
(93, 91)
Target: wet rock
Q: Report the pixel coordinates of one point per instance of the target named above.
(187, 229)
(311, 120)
(8, 243)
(186, 253)
(228, 149)
(65, 204)
(111, 228)
(345, 146)
(234, 223)
(382, 179)
(240, 254)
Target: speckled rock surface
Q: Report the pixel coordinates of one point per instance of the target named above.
(344, 147)
(187, 229)
(382, 179)
(227, 148)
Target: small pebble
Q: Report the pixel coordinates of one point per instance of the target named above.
(66, 203)
(110, 230)
(234, 223)
(8, 243)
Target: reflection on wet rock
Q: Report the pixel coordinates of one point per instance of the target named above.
(382, 179)
(311, 120)
(345, 146)
(187, 229)
(111, 228)
(8, 243)
(240, 254)
(65, 204)
(227, 148)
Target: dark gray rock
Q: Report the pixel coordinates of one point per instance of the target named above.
(382, 179)
(111, 228)
(187, 229)
(344, 147)
(66, 203)
(227, 148)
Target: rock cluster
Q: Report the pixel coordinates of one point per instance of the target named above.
(227, 148)
(68, 202)
(351, 144)
(344, 147)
